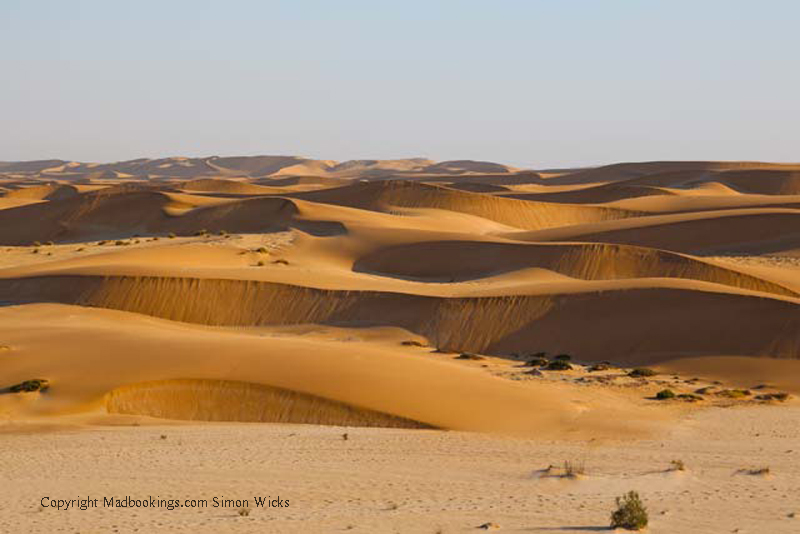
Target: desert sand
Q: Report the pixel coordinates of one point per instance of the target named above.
(359, 338)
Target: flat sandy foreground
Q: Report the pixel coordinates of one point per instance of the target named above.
(398, 346)
(416, 481)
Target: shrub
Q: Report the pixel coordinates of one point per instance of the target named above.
(689, 397)
(558, 365)
(665, 394)
(469, 356)
(223, 233)
(734, 393)
(37, 243)
(50, 243)
(537, 362)
(602, 366)
(758, 471)
(244, 512)
(201, 232)
(120, 243)
(171, 235)
(630, 513)
(261, 250)
(772, 396)
(641, 372)
(563, 357)
(677, 465)
(35, 384)
(574, 469)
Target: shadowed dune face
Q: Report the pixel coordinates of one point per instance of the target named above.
(220, 400)
(763, 182)
(290, 279)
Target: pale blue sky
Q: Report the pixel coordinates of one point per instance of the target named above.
(530, 82)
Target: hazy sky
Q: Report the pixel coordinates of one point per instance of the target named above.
(531, 83)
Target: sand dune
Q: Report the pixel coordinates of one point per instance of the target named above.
(445, 260)
(43, 192)
(111, 214)
(335, 381)
(627, 171)
(742, 230)
(384, 196)
(216, 185)
(464, 256)
(687, 320)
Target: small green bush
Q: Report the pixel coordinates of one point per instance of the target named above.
(171, 235)
(665, 394)
(630, 513)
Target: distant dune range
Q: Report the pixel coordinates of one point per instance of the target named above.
(287, 285)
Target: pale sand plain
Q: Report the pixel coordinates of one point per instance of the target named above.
(252, 311)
